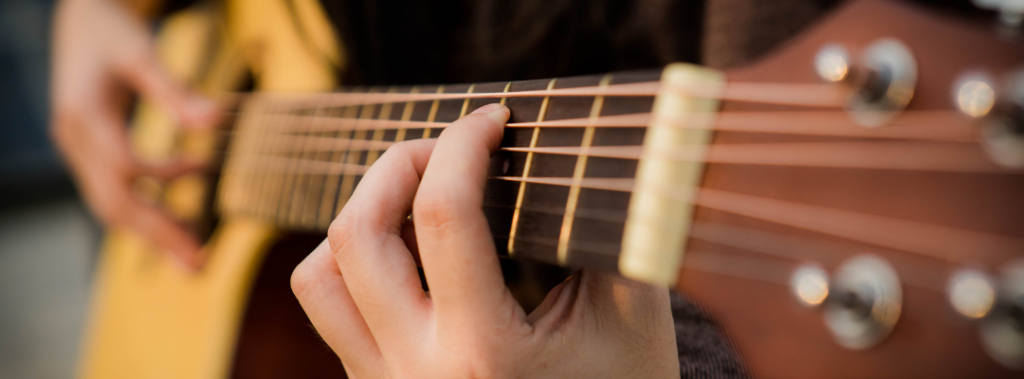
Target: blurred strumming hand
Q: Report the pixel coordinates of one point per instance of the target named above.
(102, 53)
(362, 292)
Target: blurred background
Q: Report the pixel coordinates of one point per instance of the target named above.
(47, 239)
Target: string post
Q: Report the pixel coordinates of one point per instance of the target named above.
(865, 302)
(887, 78)
(972, 293)
(832, 63)
(1002, 329)
(1002, 134)
(658, 223)
(809, 284)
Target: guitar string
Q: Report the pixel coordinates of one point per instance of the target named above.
(933, 125)
(535, 125)
(612, 184)
(808, 94)
(770, 268)
(945, 243)
(906, 156)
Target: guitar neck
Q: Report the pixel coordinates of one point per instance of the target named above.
(296, 163)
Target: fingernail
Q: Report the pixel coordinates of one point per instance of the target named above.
(487, 108)
(497, 112)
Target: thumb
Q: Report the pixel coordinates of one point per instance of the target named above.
(145, 74)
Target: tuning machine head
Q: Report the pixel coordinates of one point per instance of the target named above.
(1011, 12)
(1002, 132)
(1002, 328)
(860, 303)
(883, 81)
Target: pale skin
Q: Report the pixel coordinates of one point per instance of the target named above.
(361, 290)
(102, 53)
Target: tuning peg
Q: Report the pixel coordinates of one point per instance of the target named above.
(1003, 132)
(809, 284)
(883, 80)
(972, 293)
(974, 94)
(1002, 329)
(860, 304)
(832, 63)
(1011, 12)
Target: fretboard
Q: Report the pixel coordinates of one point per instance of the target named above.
(295, 163)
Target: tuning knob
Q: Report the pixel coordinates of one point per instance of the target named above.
(1011, 12)
(1002, 132)
(1002, 330)
(809, 284)
(860, 304)
(883, 81)
(972, 293)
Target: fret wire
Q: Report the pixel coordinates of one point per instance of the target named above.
(328, 198)
(433, 112)
(254, 185)
(406, 115)
(348, 182)
(526, 171)
(577, 176)
(292, 177)
(315, 189)
(465, 103)
(378, 134)
(274, 198)
(230, 198)
(301, 190)
(503, 98)
(267, 193)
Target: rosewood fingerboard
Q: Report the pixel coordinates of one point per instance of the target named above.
(285, 168)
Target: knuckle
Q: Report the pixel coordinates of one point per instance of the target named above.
(399, 149)
(302, 279)
(341, 233)
(435, 212)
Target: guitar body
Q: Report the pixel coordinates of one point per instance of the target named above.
(149, 318)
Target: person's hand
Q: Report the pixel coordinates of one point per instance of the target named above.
(101, 53)
(362, 292)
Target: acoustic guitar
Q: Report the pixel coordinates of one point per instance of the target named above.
(849, 206)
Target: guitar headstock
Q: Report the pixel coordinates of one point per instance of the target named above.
(883, 228)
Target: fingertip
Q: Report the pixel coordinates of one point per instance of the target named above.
(488, 108)
(499, 114)
(495, 111)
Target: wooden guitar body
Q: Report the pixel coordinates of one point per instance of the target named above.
(149, 317)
